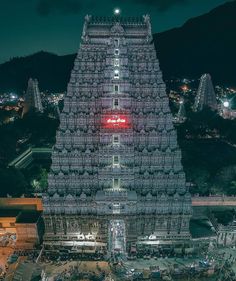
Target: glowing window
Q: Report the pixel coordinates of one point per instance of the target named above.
(116, 41)
(117, 52)
(116, 74)
(116, 88)
(116, 139)
(116, 62)
(116, 183)
(116, 160)
(116, 103)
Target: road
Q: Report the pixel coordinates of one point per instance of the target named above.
(214, 201)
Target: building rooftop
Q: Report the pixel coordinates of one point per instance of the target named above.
(27, 272)
(200, 228)
(6, 212)
(131, 27)
(28, 216)
(114, 19)
(22, 216)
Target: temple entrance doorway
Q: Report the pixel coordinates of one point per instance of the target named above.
(117, 240)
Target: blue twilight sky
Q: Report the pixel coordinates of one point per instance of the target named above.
(28, 26)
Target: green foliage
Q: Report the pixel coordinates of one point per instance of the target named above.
(36, 177)
(40, 127)
(4, 115)
(12, 182)
(225, 216)
(201, 178)
(43, 181)
(61, 105)
(232, 188)
(8, 142)
(207, 123)
(35, 128)
(206, 142)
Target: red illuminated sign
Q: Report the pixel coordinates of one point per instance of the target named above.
(116, 121)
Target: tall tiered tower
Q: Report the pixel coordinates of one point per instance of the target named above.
(116, 155)
(206, 96)
(32, 97)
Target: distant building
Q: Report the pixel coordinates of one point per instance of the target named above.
(29, 229)
(27, 271)
(226, 235)
(21, 203)
(21, 217)
(206, 96)
(8, 220)
(32, 97)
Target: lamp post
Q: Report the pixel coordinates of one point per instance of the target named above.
(226, 109)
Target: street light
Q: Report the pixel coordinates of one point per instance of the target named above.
(226, 104)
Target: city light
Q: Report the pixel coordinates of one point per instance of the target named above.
(185, 88)
(13, 96)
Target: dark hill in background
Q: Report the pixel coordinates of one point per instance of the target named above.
(52, 71)
(203, 44)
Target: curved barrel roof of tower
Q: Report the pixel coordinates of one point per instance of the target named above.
(104, 26)
(112, 20)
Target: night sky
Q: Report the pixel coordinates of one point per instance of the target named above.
(28, 26)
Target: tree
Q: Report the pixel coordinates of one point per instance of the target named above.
(43, 182)
(4, 115)
(225, 216)
(231, 190)
(12, 182)
(201, 178)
